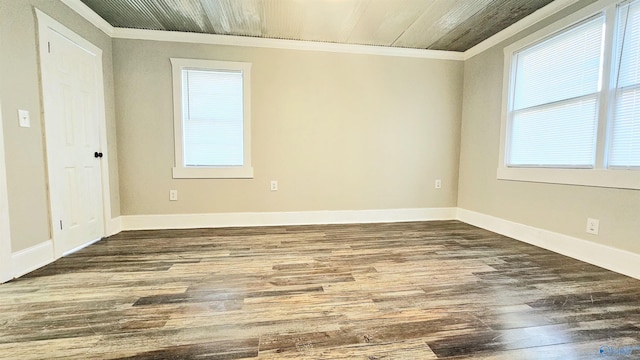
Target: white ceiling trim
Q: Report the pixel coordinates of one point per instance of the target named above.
(90, 15)
(537, 16)
(247, 41)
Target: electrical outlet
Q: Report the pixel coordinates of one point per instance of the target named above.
(438, 184)
(23, 116)
(173, 195)
(274, 185)
(593, 226)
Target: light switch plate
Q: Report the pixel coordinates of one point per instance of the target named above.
(23, 115)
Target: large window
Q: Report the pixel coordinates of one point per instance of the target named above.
(211, 119)
(572, 95)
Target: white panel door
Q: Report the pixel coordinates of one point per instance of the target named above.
(69, 76)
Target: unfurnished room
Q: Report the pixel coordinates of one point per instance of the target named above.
(320, 179)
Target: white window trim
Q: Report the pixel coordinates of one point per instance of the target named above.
(600, 176)
(180, 171)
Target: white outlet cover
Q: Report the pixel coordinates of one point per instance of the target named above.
(593, 226)
(23, 116)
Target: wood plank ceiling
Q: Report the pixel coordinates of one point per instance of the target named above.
(453, 25)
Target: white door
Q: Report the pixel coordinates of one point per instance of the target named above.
(72, 132)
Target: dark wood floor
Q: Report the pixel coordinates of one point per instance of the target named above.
(430, 290)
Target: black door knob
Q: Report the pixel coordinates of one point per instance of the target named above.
(97, 154)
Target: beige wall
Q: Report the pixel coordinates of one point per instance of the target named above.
(20, 89)
(338, 131)
(559, 208)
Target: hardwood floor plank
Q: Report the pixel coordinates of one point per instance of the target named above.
(66, 348)
(220, 350)
(401, 350)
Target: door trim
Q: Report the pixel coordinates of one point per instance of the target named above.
(46, 23)
(6, 270)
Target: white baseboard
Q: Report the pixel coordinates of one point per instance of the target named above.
(37, 256)
(29, 259)
(192, 221)
(114, 226)
(620, 261)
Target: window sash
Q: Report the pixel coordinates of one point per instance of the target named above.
(212, 118)
(553, 117)
(563, 66)
(539, 139)
(624, 127)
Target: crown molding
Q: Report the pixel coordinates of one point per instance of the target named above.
(537, 16)
(90, 15)
(246, 41)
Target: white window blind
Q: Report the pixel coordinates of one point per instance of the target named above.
(212, 118)
(624, 139)
(554, 100)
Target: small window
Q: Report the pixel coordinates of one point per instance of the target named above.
(211, 119)
(553, 116)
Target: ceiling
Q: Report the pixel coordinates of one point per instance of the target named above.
(453, 25)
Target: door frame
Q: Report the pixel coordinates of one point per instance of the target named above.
(46, 24)
(6, 269)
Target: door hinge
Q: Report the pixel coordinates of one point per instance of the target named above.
(49, 46)
(60, 224)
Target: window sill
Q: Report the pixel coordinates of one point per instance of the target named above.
(619, 179)
(213, 173)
